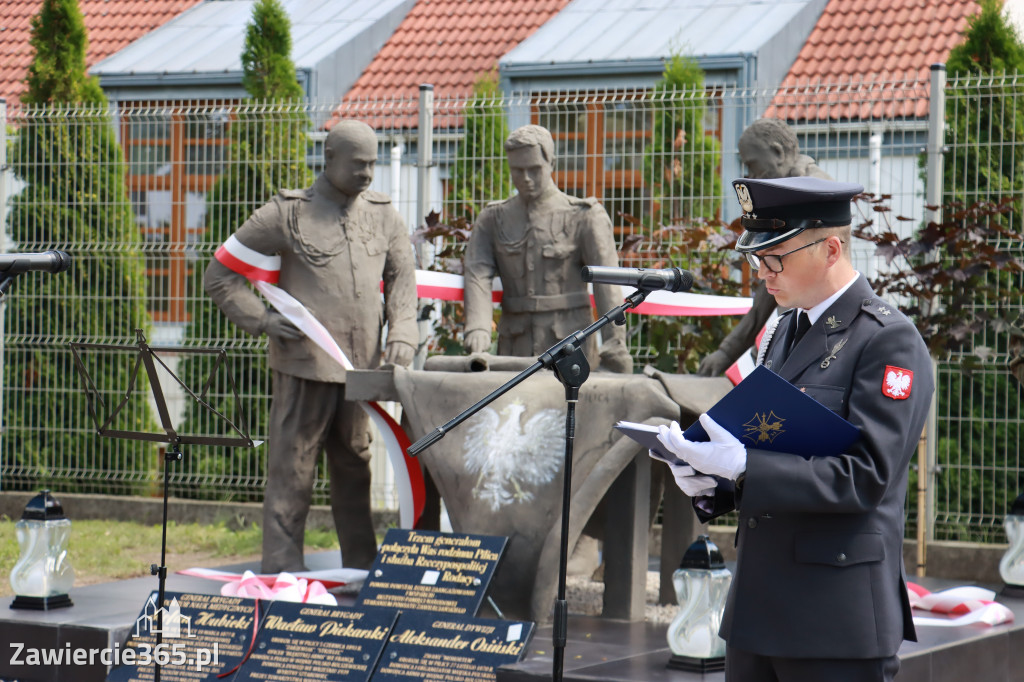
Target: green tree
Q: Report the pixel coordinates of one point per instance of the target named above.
(967, 259)
(983, 179)
(682, 160)
(267, 153)
(480, 174)
(987, 157)
(682, 175)
(74, 199)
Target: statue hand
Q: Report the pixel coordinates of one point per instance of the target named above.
(277, 327)
(399, 353)
(714, 365)
(617, 360)
(477, 341)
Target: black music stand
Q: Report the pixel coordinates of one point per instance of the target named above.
(146, 357)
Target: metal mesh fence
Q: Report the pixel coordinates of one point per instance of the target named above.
(659, 162)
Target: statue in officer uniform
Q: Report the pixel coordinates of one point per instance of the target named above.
(537, 242)
(332, 243)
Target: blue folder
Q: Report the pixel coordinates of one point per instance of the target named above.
(766, 412)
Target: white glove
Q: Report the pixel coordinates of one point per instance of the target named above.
(692, 483)
(722, 456)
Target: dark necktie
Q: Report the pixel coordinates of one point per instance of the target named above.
(803, 323)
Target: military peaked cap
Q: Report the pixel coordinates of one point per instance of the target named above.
(781, 208)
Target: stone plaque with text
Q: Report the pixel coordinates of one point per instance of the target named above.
(301, 642)
(456, 649)
(202, 635)
(445, 573)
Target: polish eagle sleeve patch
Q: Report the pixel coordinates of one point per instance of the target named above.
(897, 382)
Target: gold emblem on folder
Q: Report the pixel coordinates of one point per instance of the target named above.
(763, 428)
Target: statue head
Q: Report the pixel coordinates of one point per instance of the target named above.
(350, 156)
(769, 149)
(531, 158)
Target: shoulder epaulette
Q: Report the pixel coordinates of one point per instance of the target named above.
(585, 201)
(883, 311)
(499, 202)
(294, 193)
(376, 197)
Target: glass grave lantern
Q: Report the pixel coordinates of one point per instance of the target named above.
(43, 575)
(1011, 566)
(702, 584)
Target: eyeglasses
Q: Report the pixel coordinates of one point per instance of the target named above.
(774, 261)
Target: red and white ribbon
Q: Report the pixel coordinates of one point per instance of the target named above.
(445, 286)
(969, 604)
(251, 264)
(746, 362)
(329, 578)
(286, 587)
(448, 287)
(675, 304)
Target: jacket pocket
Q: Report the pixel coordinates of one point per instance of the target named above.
(832, 397)
(838, 549)
(376, 246)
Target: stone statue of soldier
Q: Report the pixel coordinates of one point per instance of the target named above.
(334, 243)
(537, 242)
(769, 149)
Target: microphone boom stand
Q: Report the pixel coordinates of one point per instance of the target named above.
(569, 363)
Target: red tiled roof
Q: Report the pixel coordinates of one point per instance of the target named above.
(111, 25)
(449, 44)
(859, 47)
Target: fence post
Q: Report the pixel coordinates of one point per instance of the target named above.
(424, 160)
(425, 250)
(933, 196)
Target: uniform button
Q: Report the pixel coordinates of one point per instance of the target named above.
(359, 294)
(529, 266)
(841, 557)
(529, 292)
(751, 523)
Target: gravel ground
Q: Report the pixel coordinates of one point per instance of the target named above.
(585, 598)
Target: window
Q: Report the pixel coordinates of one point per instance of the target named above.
(174, 155)
(599, 148)
(603, 148)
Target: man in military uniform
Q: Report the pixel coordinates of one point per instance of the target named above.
(823, 530)
(333, 243)
(769, 149)
(537, 242)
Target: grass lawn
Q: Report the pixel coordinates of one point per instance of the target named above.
(102, 551)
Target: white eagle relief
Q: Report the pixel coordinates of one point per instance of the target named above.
(510, 457)
(898, 383)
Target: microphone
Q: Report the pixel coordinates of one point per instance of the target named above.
(48, 261)
(670, 279)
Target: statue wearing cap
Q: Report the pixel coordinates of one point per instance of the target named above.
(825, 529)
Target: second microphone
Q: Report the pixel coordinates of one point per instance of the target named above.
(670, 279)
